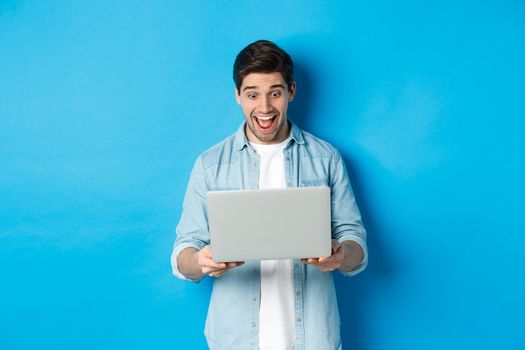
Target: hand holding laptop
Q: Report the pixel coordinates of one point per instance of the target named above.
(331, 262)
(212, 268)
(215, 269)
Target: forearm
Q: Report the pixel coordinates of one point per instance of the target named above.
(353, 256)
(187, 262)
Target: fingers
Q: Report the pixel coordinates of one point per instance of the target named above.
(205, 260)
(324, 263)
(212, 268)
(212, 272)
(207, 263)
(326, 260)
(217, 273)
(315, 261)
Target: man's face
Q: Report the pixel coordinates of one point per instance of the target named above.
(264, 101)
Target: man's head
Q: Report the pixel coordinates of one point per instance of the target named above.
(262, 56)
(264, 85)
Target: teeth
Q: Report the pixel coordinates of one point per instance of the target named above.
(265, 118)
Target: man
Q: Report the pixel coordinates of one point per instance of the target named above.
(278, 304)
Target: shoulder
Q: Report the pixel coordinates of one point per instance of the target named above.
(318, 148)
(218, 153)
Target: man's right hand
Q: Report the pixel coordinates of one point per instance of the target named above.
(210, 267)
(195, 264)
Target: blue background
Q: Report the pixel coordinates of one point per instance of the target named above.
(104, 106)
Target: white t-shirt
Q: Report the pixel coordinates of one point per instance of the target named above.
(277, 309)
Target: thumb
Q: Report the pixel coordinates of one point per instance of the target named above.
(335, 246)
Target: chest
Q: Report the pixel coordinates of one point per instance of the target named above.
(243, 170)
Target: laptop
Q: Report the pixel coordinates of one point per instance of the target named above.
(290, 223)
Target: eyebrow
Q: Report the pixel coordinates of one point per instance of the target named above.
(274, 86)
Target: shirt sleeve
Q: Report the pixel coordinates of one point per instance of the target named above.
(346, 218)
(192, 230)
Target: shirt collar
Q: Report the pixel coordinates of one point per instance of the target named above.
(240, 140)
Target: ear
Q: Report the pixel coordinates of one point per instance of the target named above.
(237, 95)
(291, 94)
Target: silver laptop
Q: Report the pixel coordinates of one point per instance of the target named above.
(289, 223)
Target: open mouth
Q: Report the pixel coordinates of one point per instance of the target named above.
(265, 122)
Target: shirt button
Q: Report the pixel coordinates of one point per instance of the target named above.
(298, 319)
(254, 325)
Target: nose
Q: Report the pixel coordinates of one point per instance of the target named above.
(265, 105)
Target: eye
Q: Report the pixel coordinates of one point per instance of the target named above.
(276, 94)
(252, 96)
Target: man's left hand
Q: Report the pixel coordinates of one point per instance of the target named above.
(329, 263)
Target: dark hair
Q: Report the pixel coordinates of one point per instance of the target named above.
(262, 56)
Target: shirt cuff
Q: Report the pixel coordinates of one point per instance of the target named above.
(364, 261)
(175, 254)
